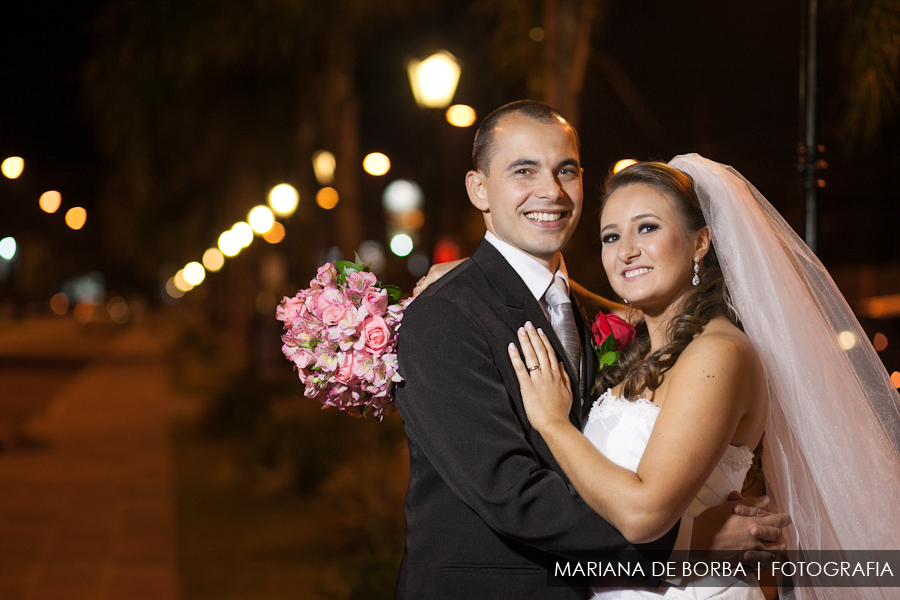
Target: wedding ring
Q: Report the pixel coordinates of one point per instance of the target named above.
(534, 368)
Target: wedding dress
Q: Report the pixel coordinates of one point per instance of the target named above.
(621, 429)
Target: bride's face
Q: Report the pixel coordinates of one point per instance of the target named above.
(646, 254)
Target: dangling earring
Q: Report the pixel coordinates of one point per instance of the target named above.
(696, 280)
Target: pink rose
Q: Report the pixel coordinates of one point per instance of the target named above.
(606, 325)
(346, 367)
(375, 301)
(375, 334)
(337, 313)
(302, 357)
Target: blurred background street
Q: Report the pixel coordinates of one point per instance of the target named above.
(171, 170)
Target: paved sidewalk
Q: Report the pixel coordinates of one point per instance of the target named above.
(88, 513)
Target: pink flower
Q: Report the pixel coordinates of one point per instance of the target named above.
(375, 302)
(302, 357)
(325, 277)
(375, 334)
(360, 281)
(339, 314)
(346, 368)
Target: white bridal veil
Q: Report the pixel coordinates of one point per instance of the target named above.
(832, 451)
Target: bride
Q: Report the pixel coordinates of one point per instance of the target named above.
(738, 335)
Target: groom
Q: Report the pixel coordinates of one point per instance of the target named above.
(488, 507)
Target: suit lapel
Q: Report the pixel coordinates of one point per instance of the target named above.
(520, 306)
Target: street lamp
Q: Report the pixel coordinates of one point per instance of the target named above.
(434, 79)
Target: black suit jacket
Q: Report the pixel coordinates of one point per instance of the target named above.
(488, 507)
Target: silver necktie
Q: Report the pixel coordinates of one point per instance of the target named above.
(563, 321)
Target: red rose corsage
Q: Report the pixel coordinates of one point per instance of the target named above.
(611, 334)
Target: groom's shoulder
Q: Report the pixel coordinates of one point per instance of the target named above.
(463, 290)
(459, 281)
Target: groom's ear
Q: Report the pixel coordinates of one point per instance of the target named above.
(475, 186)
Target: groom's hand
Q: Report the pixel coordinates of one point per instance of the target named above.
(741, 525)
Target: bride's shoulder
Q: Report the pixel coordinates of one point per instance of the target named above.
(721, 343)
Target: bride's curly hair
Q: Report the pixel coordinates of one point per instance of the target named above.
(701, 304)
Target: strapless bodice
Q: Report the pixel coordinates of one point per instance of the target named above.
(621, 429)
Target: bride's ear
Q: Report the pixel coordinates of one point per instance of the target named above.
(702, 242)
(476, 189)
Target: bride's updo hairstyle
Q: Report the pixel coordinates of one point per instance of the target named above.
(702, 303)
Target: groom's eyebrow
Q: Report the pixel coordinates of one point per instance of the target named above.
(530, 162)
(522, 162)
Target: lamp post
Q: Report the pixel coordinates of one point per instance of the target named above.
(433, 81)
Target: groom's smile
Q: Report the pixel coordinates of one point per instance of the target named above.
(531, 195)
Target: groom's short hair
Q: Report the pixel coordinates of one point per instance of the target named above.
(485, 147)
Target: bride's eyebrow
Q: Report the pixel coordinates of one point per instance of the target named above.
(633, 219)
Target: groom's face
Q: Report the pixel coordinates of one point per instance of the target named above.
(532, 195)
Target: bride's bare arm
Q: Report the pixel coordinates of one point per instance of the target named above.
(709, 390)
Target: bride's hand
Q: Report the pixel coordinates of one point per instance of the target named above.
(546, 391)
(434, 273)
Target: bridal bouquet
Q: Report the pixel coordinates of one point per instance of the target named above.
(341, 335)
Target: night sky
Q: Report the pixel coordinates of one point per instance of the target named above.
(717, 78)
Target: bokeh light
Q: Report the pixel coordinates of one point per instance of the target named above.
(625, 162)
(434, 79)
(372, 253)
(118, 310)
(76, 217)
(194, 273)
(12, 167)
(446, 250)
(83, 311)
(847, 340)
(880, 341)
(243, 233)
(376, 164)
(213, 259)
(283, 198)
(418, 264)
(895, 379)
(261, 219)
(324, 165)
(536, 34)
(327, 198)
(411, 219)
(402, 195)
(401, 244)
(461, 115)
(172, 290)
(181, 283)
(50, 201)
(276, 234)
(8, 248)
(229, 243)
(59, 303)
